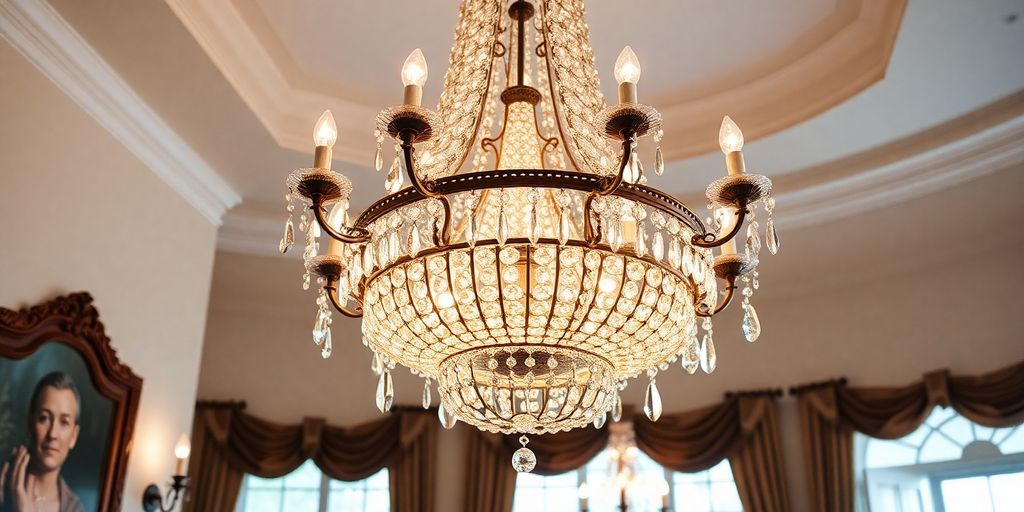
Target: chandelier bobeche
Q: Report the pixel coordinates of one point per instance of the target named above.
(528, 269)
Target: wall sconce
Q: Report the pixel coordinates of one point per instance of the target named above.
(152, 501)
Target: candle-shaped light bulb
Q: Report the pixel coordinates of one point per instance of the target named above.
(627, 73)
(627, 67)
(181, 452)
(325, 132)
(584, 491)
(414, 75)
(414, 71)
(730, 139)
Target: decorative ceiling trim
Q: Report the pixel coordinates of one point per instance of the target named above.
(846, 63)
(981, 143)
(39, 33)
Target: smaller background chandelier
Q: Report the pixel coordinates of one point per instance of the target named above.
(527, 268)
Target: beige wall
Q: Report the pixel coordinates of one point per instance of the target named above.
(880, 298)
(81, 213)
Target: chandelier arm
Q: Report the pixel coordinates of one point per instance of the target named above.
(730, 287)
(427, 189)
(628, 139)
(332, 293)
(361, 235)
(709, 240)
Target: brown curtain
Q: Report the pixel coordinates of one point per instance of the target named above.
(490, 479)
(744, 428)
(227, 443)
(830, 413)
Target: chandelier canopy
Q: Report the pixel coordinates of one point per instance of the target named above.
(527, 269)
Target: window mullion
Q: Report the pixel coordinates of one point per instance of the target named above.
(325, 485)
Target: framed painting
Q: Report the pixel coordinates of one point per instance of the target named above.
(67, 409)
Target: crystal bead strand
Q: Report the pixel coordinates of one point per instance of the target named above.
(322, 325)
(395, 178)
(472, 200)
(563, 200)
(385, 396)
(751, 325)
(426, 393)
(289, 230)
(708, 358)
(690, 359)
(640, 244)
(533, 227)
(502, 220)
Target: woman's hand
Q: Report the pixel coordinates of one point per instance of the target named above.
(18, 489)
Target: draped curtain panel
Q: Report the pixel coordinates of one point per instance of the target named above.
(830, 412)
(744, 428)
(228, 443)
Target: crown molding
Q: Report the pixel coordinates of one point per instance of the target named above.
(981, 148)
(39, 33)
(808, 81)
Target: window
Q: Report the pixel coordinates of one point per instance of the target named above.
(307, 490)
(947, 465)
(707, 491)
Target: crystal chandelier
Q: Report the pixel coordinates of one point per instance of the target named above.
(527, 269)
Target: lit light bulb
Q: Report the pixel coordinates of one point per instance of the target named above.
(183, 449)
(414, 71)
(730, 138)
(627, 67)
(584, 491)
(325, 132)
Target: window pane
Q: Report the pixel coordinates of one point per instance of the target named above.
(302, 500)
(725, 497)
(255, 482)
(938, 448)
(967, 495)
(369, 495)
(262, 500)
(306, 476)
(1008, 491)
(886, 454)
(1014, 443)
(722, 472)
(692, 497)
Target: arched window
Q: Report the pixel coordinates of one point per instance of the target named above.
(949, 464)
(308, 490)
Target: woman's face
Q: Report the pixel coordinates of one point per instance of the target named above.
(54, 428)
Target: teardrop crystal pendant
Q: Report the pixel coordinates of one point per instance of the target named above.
(614, 236)
(414, 241)
(289, 236)
(641, 240)
(659, 162)
(378, 159)
(708, 358)
(320, 328)
(690, 360)
(673, 253)
(600, 420)
(533, 230)
(426, 394)
(751, 325)
(385, 392)
(658, 246)
(753, 241)
(652, 402)
(563, 227)
(325, 349)
(377, 364)
(448, 420)
(617, 408)
(771, 238)
(502, 228)
(395, 177)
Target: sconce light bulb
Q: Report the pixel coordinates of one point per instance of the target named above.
(183, 449)
(730, 138)
(414, 71)
(325, 132)
(627, 67)
(584, 491)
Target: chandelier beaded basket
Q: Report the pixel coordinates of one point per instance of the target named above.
(530, 289)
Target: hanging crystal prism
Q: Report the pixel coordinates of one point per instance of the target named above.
(502, 227)
(378, 159)
(377, 364)
(659, 162)
(708, 358)
(325, 349)
(563, 227)
(385, 392)
(533, 230)
(641, 240)
(751, 325)
(658, 246)
(426, 394)
(289, 236)
(616, 408)
(600, 420)
(471, 229)
(771, 237)
(396, 177)
(690, 359)
(614, 239)
(652, 401)
(414, 241)
(448, 420)
(753, 244)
